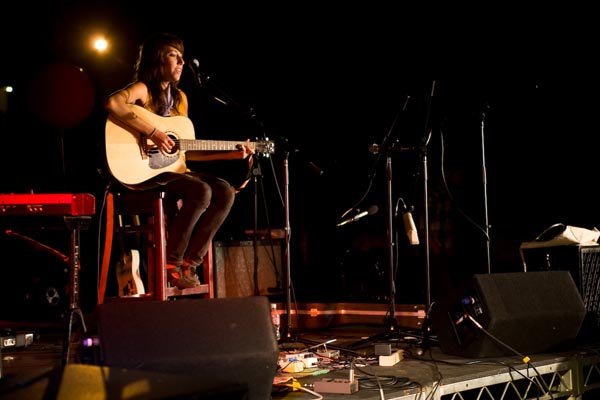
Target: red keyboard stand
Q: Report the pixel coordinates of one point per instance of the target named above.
(75, 225)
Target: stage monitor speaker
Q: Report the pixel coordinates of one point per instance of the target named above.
(226, 344)
(530, 312)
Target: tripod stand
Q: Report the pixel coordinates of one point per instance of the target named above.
(391, 327)
(212, 93)
(391, 323)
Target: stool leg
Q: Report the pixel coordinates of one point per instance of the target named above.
(108, 239)
(160, 248)
(208, 272)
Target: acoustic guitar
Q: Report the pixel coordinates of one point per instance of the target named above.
(132, 158)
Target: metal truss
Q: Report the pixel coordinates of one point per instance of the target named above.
(569, 379)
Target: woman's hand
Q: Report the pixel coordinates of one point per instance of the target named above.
(163, 141)
(243, 151)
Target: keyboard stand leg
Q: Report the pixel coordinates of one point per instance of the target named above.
(75, 224)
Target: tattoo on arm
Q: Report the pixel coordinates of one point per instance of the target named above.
(125, 94)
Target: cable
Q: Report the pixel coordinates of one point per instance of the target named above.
(526, 359)
(295, 385)
(500, 342)
(449, 192)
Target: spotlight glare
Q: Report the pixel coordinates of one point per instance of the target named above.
(100, 44)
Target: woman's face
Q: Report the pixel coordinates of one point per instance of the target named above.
(172, 65)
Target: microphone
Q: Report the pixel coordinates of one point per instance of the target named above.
(194, 65)
(372, 210)
(314, 168)
(202, 79)
(409, 224)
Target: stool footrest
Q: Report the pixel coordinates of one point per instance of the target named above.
(200, 289)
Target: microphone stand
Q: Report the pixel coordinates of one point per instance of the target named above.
(201, 80)
(390, 323)
(425, 329)
(485, 202)
(256, 172)
(287, 332)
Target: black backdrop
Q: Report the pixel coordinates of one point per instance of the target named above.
(325, 84)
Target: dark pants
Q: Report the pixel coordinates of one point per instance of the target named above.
(206, 203)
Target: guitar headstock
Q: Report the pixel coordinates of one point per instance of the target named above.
(264, 147)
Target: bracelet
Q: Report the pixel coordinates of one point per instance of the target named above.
(152, 133)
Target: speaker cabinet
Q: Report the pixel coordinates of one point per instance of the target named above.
(227, 345)
(529, 313)
(234, 268)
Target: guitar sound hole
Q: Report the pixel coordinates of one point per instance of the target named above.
(175, 148)
(156, 152)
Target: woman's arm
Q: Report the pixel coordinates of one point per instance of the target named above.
(117, 104)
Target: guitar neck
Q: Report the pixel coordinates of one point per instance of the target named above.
(212, 145)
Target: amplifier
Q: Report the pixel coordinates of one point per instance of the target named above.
(582, 261)
(235, 275)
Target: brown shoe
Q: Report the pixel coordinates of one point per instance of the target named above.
(176, 278)
(191, 272)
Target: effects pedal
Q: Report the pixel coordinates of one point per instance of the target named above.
(341, 386)
(293, 360)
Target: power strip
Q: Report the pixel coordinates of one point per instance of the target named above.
(16, 340)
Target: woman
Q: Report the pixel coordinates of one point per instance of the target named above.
(206, 199)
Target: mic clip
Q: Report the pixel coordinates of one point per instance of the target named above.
(393, 147)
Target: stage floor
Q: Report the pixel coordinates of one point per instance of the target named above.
(423, 371)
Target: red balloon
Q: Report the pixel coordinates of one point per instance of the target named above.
(62, 95)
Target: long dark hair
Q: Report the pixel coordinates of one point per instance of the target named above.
(147, 68)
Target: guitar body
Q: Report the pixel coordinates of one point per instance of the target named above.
(132, 158)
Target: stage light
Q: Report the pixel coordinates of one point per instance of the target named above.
(100, 44)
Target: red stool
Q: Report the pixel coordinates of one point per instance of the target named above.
(153, 207)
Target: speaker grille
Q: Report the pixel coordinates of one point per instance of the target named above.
(590, 278)
(223, 343)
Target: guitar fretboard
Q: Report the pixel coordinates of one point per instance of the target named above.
(212, 145)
